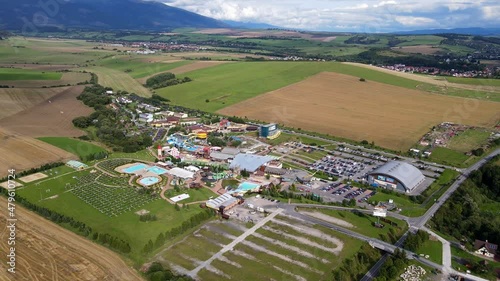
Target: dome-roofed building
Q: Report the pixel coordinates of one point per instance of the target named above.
(396, 175)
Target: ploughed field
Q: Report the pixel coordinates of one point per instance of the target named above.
(341, 105)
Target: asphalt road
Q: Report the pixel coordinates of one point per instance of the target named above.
(414, 223)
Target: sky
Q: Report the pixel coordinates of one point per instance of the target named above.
(370, 16)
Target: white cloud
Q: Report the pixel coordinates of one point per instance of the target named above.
(415, 21)
(365, 16)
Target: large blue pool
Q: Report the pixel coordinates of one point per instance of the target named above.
(157, 170)
(135, 168)
(147, 181)
(245, 186)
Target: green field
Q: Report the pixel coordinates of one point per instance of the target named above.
(195, 195)
(408, 207)
(80, 148)
(228, 84)
(138, 67)
(474, 81)
(363, 223)
(432, 248)
(124, 226)
(415, 40)
(469, 140)
(449, 157)
(11, 74)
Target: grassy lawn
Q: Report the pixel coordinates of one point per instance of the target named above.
(469, 140)
(408, 207)
(363, 224)
(80, 148)
(195, 195)
(316, 155)
(27, 74)
(124, 226)
(118, 80)
(227, 84)
(434, 249)
(448, 157)
(474, 81)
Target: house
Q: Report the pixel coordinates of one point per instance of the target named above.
(109, 92)
(147, 107)
(190, 121)
(123, 100)
(146, 117)
(181, 115)
(485, 248)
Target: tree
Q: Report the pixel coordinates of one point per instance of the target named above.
(81, 122)
(362, 79)
(364, 142)
(177, 208)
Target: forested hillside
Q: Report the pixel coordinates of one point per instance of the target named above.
(473, 211)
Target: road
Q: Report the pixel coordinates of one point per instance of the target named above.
(414, 224)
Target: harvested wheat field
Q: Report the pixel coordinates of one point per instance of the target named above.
(51, 118)
(438, 81)
(46, 251)
(341, 105)
(16, 100)
(22, 153)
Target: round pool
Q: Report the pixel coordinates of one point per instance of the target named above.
(147, 181)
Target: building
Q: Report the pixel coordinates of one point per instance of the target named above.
(223, 202)
(396, 175)
(148, 107)
(485, 248)
(76, 165)
(269, 131)
(146, 117)
(249, 162)
(181, 173)
(190, 121)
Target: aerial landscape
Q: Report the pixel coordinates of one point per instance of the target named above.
(250, 140)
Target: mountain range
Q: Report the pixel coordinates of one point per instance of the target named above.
(30, 15)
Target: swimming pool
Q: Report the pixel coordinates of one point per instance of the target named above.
(245, 186)
(157, 170)
(135, 168)
(147, 181)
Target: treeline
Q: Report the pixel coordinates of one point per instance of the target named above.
(148, 217)
(94, 156)
(275, 192)
(465, 215)
(393, 266)
(110, 129)
(176, 231)
(414, 241)
(156, 272)
(36, 170)
(362, 39)
(81, 228)
(164, 80)
(353, 269)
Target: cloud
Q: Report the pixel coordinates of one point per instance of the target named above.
(344, 15)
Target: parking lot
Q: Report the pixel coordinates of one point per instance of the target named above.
(337, 192)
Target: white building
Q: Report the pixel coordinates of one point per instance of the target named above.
(146, 117)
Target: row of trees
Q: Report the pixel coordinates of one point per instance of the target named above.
(156, 272)
(176, 231)
(148, 217)
(165, 80)
(392, 266)
(81, 228)
(414, 241)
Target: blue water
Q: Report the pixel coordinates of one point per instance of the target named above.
(247, 186)
(147, 181)
(135, 168)
(157, 170)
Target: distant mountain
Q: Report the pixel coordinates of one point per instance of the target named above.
(30, 15)
(467, 31)
(249, 25)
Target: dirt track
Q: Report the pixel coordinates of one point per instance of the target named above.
(341, 105)
(46, 251)
(50, 118)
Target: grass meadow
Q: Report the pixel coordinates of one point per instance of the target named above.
(27, 74)
(80, 148)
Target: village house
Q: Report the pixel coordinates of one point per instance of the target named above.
(485, 248)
